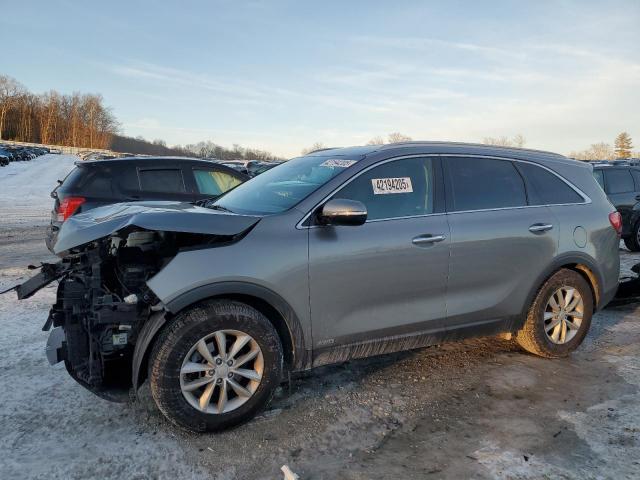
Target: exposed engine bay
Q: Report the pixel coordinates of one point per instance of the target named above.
(103, 302)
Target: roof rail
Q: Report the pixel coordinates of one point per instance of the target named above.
(389, 145)
(320, 150)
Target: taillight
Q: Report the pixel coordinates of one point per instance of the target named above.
(616, 222)
(68, 206)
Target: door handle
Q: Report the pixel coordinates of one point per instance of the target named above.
(427, 239)
(540, 227)
(638, 197)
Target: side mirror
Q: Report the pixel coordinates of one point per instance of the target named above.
(340, 211)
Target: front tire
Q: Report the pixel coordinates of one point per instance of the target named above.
(215, 366)
(560, 316)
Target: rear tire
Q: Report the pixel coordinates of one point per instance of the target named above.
(560, 316)
(633, 242)
(176, 365)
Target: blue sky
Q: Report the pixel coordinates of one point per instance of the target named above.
(282, 75)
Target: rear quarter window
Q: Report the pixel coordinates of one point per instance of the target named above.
(73, 178)
(619, 180)
(546, 188)
(599, 176)
(89, 181)
(127, 178)
(98, 184)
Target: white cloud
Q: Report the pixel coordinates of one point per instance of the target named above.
(561, 96)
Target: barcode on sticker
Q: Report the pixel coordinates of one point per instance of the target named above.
(383, 186)
(336, 162)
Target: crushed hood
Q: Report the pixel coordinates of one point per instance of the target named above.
(160, 216)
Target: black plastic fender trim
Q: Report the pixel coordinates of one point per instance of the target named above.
(141, 351)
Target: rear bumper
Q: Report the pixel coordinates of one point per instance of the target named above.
(606, 297)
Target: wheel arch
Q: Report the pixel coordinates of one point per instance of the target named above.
(578, 262)
(267, 302)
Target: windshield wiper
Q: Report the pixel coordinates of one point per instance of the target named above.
(218, 207)
(203, 202)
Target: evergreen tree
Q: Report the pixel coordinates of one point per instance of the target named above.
(623, 145)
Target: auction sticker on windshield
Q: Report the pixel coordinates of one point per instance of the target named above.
(383, 186)
(336, 162)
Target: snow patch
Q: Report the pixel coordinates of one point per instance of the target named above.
(26, 188)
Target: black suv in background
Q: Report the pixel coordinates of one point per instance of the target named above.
(621, 183)
(101, 182)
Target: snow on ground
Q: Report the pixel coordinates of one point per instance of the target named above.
(25, 188)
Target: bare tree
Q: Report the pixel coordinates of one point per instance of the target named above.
(50, 105)
(10, 91)
(517, 141)
(397, 137)
(597, 151)
(313, 148)
(377, 140)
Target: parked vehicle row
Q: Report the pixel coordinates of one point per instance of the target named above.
(13, 153)
(629, 162)
(339, 254)
(91, 155)
(251, 168)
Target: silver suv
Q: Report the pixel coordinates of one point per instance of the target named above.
(340, 254)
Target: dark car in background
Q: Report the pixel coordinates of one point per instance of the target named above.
(102, 182)
(5, 158)
(621, 183)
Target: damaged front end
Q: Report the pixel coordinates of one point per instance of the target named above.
(103, 302)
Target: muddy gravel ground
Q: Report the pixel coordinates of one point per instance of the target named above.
(480, 409)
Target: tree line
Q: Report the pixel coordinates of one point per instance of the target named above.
(207, 149)
(82, 120)
(622, 148)
(52, 118)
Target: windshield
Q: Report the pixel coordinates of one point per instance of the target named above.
(282, 187)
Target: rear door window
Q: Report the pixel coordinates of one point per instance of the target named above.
(619, 180)
(483, 183)
(545, 188)
(162, 180)
(214, 182)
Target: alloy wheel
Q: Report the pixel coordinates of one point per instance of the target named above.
(563, 315)
(222, 371)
